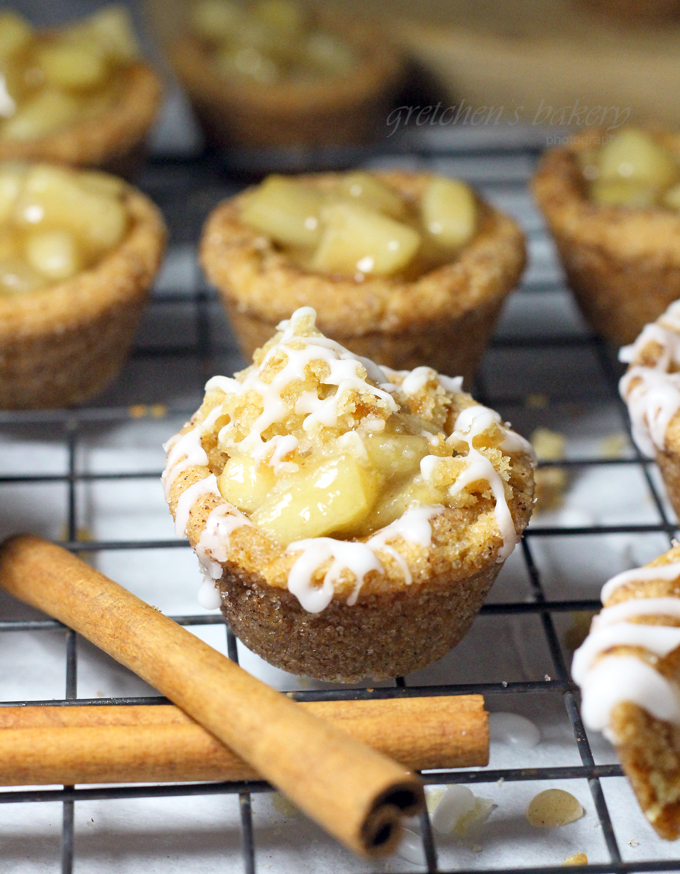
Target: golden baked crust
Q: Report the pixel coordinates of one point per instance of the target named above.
(113, 141)
(649, 748)
(64, 343)
(327, 112)
(622, 263)
(397, 625)
(443, 318)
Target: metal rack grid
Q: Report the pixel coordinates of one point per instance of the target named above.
(186, 190)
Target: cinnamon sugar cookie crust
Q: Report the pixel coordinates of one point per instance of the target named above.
(64, 343)
(442, 318)
(622, 263)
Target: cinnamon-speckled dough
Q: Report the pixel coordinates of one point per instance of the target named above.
(622, 263)
(443, 318)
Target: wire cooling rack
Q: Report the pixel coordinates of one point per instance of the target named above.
(87, 477)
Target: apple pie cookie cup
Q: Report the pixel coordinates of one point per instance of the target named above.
(64, 341)
(262, 94)
(441, 316)
(651, 389)
(381, 603)
(77, 95)
(622, 260)
(114, 142)
(628, 669)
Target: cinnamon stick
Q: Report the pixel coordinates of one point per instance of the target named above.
(355, 793)
(143, 743)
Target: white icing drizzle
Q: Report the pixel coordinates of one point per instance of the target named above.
(513, 729)
(615, 679)
(213, 545)
(186, 452)
(188, 498)
(653, 393)
(226, 384)
(213, 548)
(344, 373)
(609, 679)
(209, 595)
(274, 451)
(414, 527)
(471, 422)
(642, 575)
(658, 639)
(453, 384)
(638, 607)
(417, 379)
(358, 558)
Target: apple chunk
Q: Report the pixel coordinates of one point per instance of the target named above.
(327, 498)
(245, 483)
(634, 155)
(368, 191)
(449, 211)
(362, 240)
(286, 211)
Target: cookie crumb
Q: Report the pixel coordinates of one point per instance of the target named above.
(575, 859)
(551, 482)
(553, 808)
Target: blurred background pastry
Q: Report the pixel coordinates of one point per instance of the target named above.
(279, 72)
(78, 94)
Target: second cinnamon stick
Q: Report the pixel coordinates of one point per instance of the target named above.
(355, 793)
(128, 744)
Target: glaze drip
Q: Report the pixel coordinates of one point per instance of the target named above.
(607, 678)
(652, 393)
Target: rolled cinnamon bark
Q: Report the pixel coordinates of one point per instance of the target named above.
(140, 744)
(355, 793)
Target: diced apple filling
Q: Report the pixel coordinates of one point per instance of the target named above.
(345, 494)
(270, 41)
(633, 170)
(52, 80)
(361, 225)
(449, 211)
(360, 240)
(55, 222)
(286, 211)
